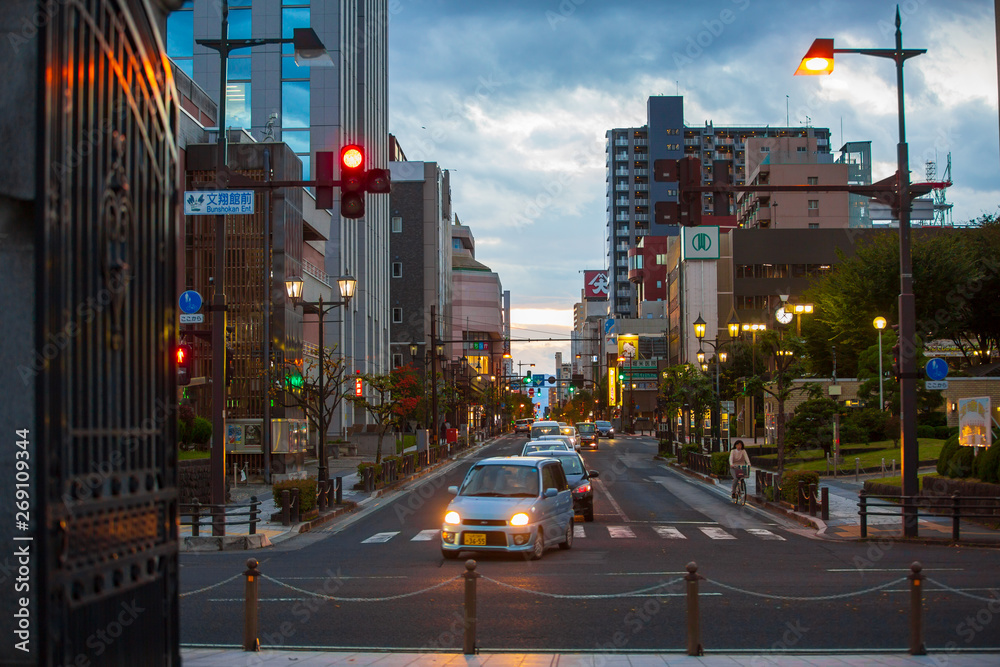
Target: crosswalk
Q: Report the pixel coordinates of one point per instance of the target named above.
(616, 532)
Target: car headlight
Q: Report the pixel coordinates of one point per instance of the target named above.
(452, 518)
(519, 519)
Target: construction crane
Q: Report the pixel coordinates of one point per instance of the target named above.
(942, 209)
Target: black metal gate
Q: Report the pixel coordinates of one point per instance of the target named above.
(106, 325)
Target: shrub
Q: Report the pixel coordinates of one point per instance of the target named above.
(942, 432)
(987, 465)
(307, 492)
(201, 432)
(925, 431)
(665, 448)
(366, 464)
(933, 419)
(183, 433)
(949, 450)
(853, 434)
(960, 464)
(720, 464)
(870, 420)
(790, 483)
(891, 429)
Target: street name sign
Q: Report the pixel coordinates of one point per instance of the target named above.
(218, 202)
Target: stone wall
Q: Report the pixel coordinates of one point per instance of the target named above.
(195, 481)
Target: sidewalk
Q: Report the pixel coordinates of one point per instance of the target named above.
(274, 532)
(201, 657)
(844, 522)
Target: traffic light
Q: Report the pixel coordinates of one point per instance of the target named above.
(185, 364)
(527, 378)
(230, 365)
(378, 181)
(359, 385)
(621, 376)
(352, 181)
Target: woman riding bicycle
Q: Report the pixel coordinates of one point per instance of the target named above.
(738, 457)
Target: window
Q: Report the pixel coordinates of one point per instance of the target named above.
(765, 149)
(180, 38)
(295, 104)
(813, 204)
(812, 180)
(397, 269)
(397, 224)
(397, 315)
(397, 360)
(800, 149)
(813, 225)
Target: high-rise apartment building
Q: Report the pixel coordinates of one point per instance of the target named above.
(633, 194)
(311, 109)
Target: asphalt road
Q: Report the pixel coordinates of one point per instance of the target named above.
(770, 584)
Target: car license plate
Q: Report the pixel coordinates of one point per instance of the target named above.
(474, 539)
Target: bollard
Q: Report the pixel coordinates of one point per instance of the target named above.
(863, 512)
(254, 513)
(800, 506)
(694, 629)
(812, 500)
(195, 518)
(916, 611)
(286, 508)
(339, 486)
(825, 509)
(321, 496)
(295, 505)
(250, 640)
(857, 469)
(955, 516)
(469, 642)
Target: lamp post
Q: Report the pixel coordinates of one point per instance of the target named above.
(309, 50)
(880, 323)
(799, 309)
(719, 357)
(346, 285)
(819, 60)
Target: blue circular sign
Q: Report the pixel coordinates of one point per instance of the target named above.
(936, 368)
(190, 301)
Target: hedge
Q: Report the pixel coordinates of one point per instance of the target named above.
(949, 450)
(307, 492)
(926, 431)
(378, 471)
(987, 465)
(943, 432)
(720, 464)
(961, 463)
(201, 431)
(790, 483)
(684, 453)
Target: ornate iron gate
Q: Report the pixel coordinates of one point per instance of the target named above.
(106, 282)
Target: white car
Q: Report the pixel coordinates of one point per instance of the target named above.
(553, 442)
(509, 504)
(572, 442)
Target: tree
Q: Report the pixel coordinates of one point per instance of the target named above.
(292, 388)
(686, 386)
(785, 352)
(389, 398)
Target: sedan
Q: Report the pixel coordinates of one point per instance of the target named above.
(509, 504)
(542, 445)
(571, 442)
(579, 480)
(605, 429)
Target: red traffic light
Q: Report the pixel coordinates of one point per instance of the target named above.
(352, 157)
(182, 355)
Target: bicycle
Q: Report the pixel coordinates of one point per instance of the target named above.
(740, 496)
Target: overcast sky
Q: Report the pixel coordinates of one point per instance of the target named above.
(515, 96)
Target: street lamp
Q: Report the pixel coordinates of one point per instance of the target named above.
(309, 50)
(799, 309)
(719, 357)
(879, 323)
(346, 285)
(819, 60)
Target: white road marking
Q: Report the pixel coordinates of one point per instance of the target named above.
(598, 484)
(620, 531)
(669, 533)
(578, 532)
(426, 535)
(764, 534)
(379, 538)
(716, 533)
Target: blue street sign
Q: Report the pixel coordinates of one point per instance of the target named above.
(190, 301)
(609, 325)
(936, 368)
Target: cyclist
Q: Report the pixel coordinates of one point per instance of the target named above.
(738, 457)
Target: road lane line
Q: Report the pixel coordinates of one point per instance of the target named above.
(764, 534)
(578, 532)
(620, 531)
(614, 505)
(379, 538)
(716, 533)
(426, 535)
(669, 533)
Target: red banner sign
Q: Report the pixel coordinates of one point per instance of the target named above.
(596, 285)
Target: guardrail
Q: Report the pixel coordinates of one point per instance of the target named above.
(956, 506)
(691, 583)
(223, 514)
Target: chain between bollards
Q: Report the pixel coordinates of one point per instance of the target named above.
(250, 640)
(916, 610)
(694, 646)
(469, 642)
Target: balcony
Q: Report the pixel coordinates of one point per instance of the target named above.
(642, 202)
(623, 201)
(692, 142)
(621, 171)
(641, 217)
(622, 217)
(640, 142)
(621, 157)
(621, 142)
(640, 172)
(621, 231)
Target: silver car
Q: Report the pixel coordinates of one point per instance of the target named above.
(510, 504)
(544, 444)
